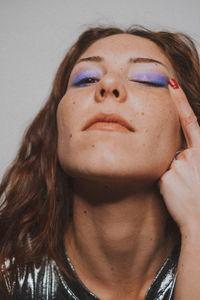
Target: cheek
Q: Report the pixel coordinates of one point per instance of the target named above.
(67, 115)
(161, 125)
(62, 121)
(168, 119)
(160, 111)
(64, 125)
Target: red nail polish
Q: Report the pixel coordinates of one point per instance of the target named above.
(173, 83)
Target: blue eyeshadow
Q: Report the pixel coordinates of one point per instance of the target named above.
(151, 77)
(84, 75)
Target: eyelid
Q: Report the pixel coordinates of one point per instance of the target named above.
(150, 76)
(84, 74)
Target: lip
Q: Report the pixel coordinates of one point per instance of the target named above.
(108, 118)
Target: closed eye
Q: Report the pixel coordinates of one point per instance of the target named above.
(85, 81)
(151, 83)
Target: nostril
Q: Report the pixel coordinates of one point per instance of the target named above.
(116, 93)
(102, 92)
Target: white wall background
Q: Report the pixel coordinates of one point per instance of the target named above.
(35, 34)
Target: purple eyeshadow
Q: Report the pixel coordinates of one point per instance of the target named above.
(151, 77)
(77, 81)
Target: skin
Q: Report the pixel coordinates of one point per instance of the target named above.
(141, 157)
(118, 233)
(181, 182)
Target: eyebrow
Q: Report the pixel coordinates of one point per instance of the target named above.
(145, 60)
(91, 58)
(131, 60)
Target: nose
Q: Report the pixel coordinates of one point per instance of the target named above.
(110, 86)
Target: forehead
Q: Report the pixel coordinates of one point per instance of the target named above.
(119, 47)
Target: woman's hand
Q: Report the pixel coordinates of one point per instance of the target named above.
(180, 185)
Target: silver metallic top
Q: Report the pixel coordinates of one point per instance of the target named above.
(47, 282)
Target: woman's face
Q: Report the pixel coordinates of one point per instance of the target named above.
(117, 120)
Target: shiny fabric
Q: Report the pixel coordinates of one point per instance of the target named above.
(47, 282)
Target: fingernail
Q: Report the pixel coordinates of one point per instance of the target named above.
(173, 83)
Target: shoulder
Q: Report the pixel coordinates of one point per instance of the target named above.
(41, 281)
(32, 281)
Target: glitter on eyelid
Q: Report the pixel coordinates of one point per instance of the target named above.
(153, 77)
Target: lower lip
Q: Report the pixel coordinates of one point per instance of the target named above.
(108, 126)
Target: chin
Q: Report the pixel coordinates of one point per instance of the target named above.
(119, 173)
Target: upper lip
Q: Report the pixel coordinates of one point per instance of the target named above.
(110, 118)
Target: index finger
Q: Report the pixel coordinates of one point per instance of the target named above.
(187, 117)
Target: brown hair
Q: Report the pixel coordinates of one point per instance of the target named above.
(35, 192)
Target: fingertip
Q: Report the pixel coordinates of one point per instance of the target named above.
(176, 91)
(173, 83)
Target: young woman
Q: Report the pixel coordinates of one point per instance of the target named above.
(102, 200)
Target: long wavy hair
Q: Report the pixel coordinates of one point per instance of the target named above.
(36, 195)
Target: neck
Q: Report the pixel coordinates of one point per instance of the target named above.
(118, 233)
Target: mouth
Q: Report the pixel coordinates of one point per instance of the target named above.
(108, 122)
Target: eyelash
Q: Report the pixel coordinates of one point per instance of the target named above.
(90, 80)
(86, 81)
(150, 83)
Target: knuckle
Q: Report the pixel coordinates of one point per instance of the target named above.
(186, 153)
(191, 153)
(165, 177)
(176, 164)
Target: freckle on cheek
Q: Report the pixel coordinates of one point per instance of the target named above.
(142, 113)
(85, 211)
(74, 102)
(70, 135)
(93, 146)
